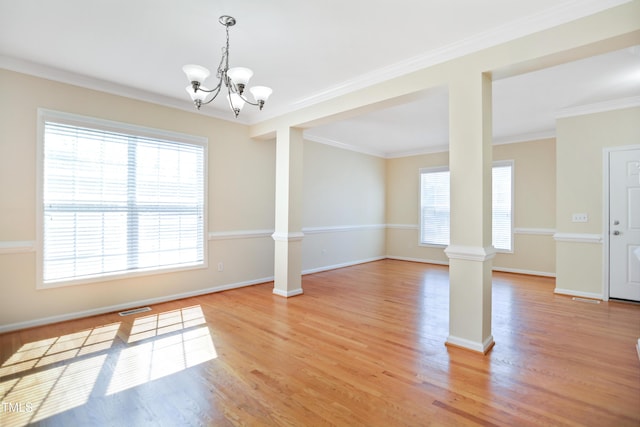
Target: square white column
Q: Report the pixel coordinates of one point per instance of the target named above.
(288, 216)
(470, 250)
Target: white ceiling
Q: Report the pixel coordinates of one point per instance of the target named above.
(313, 50)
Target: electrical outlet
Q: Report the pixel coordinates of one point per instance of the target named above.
(580, 217)
(220, 266)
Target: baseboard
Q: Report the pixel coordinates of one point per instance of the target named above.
(527, 272)
(480, 347)
(421, 260)
(288, 294)
(150, 301)
(125, 306)
(574, 293)
(500, 269)
(341, 265)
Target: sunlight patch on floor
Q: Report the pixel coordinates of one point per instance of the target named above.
(151, 359)
(63, 373)
(165, 323)
(53, 375)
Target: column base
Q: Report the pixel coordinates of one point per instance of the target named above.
(480, 347)
(287, 294)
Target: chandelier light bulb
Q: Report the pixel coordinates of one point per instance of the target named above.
(235, 102)
(199, 95)
(196, 73)
(261, 94)
(240, 76)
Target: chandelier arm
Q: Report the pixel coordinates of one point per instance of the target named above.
(208, 90)
(256, 104)
(217, 92)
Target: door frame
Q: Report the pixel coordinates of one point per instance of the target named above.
(606, 236)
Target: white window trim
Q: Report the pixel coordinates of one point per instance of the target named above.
(421, 171)
(118, 127)
(511, 163)
(446, 168)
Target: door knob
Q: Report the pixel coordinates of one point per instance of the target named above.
(616, 233)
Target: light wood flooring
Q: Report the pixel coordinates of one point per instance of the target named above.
(364, 346)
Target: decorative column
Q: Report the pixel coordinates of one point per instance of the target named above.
(470, 250)
(288, 228)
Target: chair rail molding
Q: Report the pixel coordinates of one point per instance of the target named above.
(17, 246)
(239, 234)
(287, 237)
(578, 237)
(535, 231)
(470, 253)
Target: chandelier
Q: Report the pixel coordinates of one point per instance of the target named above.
(235, 80)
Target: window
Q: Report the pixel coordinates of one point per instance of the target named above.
(502, 206)
(434, 206)
(117, 199)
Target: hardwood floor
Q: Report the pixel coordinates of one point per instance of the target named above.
(364, 346)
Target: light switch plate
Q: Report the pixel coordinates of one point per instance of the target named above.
(580, 217)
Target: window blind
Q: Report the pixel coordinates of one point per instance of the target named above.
(435, 206)
(116, 203)
(501, 207)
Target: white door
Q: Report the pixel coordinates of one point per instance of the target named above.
(624, 224)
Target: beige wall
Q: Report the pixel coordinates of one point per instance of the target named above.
(534, 207)
(240, 194)
(403, 208)
(348, 199)
(343, 207)
(580, 144)
(534, 210)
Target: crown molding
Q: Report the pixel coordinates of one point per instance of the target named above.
(525, 137)
(342, 145)
(80, 80)
(440, 148)
(562, 13)
(599, 107)
(384, 155)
